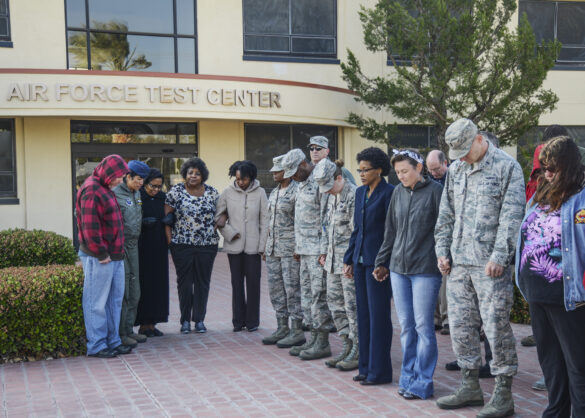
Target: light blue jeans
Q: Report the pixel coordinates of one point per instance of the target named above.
(103, 291)
(415, 297)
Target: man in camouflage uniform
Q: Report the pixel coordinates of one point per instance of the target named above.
(308, 228)
(283, 270)
(479, 218)
(337, 229)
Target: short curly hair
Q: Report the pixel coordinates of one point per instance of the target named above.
(246, 168)
(377, 159)
(197, 163)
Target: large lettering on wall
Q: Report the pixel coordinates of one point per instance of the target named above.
(79, 92)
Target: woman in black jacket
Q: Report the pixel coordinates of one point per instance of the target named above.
(409, 245)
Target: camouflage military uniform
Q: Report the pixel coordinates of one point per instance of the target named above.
(308, 229)
(479, 217)
(338, 226)
(283, 270)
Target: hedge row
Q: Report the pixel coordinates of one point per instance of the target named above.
(40, 312)
(21, 247)
(520, 313)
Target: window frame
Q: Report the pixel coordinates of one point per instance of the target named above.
(564, 64)
(175, 36)
(6, 41)
(11, 197)
(265, 55)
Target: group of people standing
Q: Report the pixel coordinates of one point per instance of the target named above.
(336, 254)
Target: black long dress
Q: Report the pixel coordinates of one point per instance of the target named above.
(154, 262)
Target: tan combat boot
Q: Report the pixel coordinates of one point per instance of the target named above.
(282, 331)
(345, 349)
(295, 337)
(467, 394)
(501, 404)
(296, 350)
(351, 362)
(320, 349)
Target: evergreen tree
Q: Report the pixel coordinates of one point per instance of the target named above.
(452, 59)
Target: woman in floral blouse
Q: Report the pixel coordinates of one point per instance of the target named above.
(193, 240)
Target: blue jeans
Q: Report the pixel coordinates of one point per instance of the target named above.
(103, 291)
(415, 297)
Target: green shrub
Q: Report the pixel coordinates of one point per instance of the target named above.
(40, 311)
(34, 248)
(520, 313)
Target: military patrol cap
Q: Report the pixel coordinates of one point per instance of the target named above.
(139, 168)
(319, 140)
(323, 173)
(459, 136)
(290, 162)
(277, 164)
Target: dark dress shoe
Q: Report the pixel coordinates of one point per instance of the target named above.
(372, 383)
(410, 396)
(157, 332)
(438, 327)
(122, 349)
(186, 327)
(252, 329)
(147, 332)
(359, 377)
(238, 329)
(401, 391)
(105, 353)
(452, 366)
(200, 327)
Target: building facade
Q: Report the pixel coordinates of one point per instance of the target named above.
(165, 80)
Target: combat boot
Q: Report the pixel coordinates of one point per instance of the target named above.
(320, 349)
(281, 331)
(295, 337)
(345, 350)
(296, 350)
(501, 404)
(467, 394)
(351, 362)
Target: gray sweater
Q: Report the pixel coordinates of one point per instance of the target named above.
(409, 241)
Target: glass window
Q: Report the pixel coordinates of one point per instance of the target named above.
(562, 21)
(264, 142)
(7, 159)
(4, 21)
(132, 35)
(98, 132)
(290, 27)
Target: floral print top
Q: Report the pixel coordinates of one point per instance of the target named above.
(541, 268)
(194, 216)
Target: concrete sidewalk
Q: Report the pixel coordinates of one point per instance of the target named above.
(223, 373)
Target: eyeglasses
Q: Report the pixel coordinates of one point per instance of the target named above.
(365, 170)
(154, 187)
(315, 148)
(550, 169)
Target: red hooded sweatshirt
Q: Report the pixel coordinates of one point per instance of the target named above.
(99, 220)
(533, 180)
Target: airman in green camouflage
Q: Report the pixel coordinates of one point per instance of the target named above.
(481, 210)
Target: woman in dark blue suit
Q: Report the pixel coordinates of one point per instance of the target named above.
(372, 297)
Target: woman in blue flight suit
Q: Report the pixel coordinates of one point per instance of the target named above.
(372, 297)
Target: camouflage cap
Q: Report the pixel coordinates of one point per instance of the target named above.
(319, 140)
(324, 173)
(277, 164)
(459, 137)
(290, 162)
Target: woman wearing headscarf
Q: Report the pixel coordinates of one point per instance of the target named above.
(245, 205)
(550, 272)
(193, 240)
(153, 251)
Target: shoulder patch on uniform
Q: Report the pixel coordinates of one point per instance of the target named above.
(129, 202)
(580, 217)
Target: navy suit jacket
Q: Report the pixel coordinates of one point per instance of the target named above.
(368, 224)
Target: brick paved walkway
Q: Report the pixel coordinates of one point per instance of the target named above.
(223, 373)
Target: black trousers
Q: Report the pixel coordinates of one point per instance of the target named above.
(193, 265)
(245, 270)
(560, 344)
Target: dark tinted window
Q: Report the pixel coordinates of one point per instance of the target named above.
(132, 35)
(290, 27)
(7, 159)
(564, 21)
(264, 142)
(4, 21)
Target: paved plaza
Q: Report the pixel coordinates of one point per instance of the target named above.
(222, 373)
